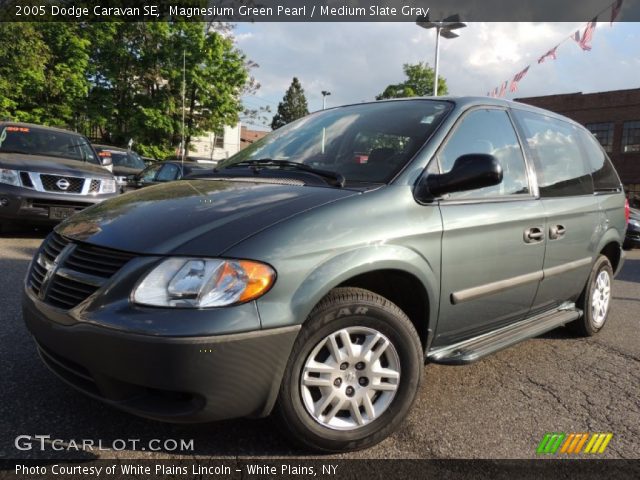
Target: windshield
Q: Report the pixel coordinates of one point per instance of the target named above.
(36, 141)
(121, 158)
(366, 143)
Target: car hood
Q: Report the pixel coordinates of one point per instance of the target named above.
(192, 217)
(54, 165)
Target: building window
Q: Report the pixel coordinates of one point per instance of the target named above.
(631, 137)
(219, 139)
(603, 133)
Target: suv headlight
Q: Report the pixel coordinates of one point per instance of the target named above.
(108, 186)
(199, 283)
(635, 223)
(11, 177)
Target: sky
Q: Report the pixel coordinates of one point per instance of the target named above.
(356, 61)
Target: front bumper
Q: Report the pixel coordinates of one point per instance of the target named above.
(175, 379)
(25, 204)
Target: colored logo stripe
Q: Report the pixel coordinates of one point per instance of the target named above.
(573, 443)
(550, 443)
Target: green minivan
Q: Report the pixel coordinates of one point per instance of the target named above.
(315, 272)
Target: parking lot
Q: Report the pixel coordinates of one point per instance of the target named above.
(497, 408)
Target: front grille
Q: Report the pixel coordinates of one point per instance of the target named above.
(94, 187)
(26, 180)
(50, 250)
(79, 272)
(51, 183)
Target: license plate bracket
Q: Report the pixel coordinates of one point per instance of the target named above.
(60, 213)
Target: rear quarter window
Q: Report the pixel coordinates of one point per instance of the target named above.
(558, 156)
(605, 178)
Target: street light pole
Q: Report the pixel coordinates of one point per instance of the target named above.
(444, 29)
(325, 94)
(435, 67)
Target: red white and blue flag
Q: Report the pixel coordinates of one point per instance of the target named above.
(550, 54)
(584, 40)
(518, 76)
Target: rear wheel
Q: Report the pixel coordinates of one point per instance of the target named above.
(353, 373)
(595, 300)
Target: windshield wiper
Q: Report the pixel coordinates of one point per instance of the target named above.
(332, 178)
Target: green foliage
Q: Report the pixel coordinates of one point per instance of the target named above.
(419, 83)
(292, 107)
(122, 80)
(43, 72)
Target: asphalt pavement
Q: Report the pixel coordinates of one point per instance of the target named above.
(499, 407)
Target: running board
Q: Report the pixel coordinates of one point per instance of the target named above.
(478, 347)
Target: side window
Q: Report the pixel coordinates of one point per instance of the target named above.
(150, 173)
(488, 131)
(604, 175)
(167, 173)
(560, 165)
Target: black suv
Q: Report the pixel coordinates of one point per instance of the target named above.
(48, 174)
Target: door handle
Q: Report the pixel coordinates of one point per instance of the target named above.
(557, 231)
(533, 234)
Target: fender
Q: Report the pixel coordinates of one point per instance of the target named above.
(612, 235)
(349, 264)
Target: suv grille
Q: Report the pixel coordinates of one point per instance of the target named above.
(52, 183)
(94, 187)
(80, 271)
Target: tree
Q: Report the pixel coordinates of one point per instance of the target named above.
(42, 72)
(419, 83)
(292, 107)
(138, 81)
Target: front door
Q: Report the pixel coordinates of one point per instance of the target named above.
(493, 238)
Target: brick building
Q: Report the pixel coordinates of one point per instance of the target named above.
(614, 118)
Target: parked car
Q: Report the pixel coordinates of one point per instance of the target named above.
(125, 162)
(162, 172)
(47, 174)
(298, 278)
(632, 237)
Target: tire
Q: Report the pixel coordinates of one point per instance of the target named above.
(350, 422)
(595, 311)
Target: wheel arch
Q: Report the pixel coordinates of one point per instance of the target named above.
(396, 273)
(610, 246)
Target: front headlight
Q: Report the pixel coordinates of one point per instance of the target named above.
(108, 186)
(121, 180)
(199, 283)
(635, 223)
(11, 177)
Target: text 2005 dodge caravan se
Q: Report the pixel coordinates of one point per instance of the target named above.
(315, 272)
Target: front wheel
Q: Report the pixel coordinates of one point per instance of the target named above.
(595, 300)
(353, 372)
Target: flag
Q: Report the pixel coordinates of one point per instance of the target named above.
(587, 36)
(551, 53)
(615, 10)
(494, 94)
(503, 89)
(519, 76)
(576, 36)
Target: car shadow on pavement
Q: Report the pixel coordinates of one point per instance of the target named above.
(630, 271)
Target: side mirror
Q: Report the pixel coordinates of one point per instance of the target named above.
(469, 172)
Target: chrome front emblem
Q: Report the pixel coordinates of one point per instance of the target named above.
(51, 268)
(63, 184)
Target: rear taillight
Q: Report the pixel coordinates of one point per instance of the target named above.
(627, 212)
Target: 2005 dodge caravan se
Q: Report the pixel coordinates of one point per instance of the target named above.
(316, 271)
